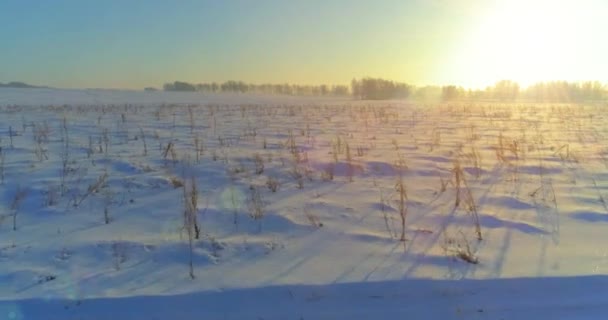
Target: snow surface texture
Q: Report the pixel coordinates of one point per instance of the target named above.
(93, 182)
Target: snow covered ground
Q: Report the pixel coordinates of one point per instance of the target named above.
(93, 181)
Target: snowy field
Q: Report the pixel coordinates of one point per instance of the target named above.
(154, 205)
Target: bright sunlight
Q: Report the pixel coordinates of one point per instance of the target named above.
(527, 41)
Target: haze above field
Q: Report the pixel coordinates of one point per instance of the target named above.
(472, 43)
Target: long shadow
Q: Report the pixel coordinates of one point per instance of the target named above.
(590, 216)
(501, 255)
(433, 240)
(516, 298)
(386, 256)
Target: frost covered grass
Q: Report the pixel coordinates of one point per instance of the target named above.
(115, 201)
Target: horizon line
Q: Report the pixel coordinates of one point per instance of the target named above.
(6, 84)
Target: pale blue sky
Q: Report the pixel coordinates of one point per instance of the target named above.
(132, 44)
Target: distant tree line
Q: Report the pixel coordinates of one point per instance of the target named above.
(16, 84)
(566, 91)
(381, 89)
(506, 90)
(243, 87)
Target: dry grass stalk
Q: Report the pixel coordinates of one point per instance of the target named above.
(401, 190)
(463, 192)
(20, 194)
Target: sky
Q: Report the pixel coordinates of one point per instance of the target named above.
(133, 44)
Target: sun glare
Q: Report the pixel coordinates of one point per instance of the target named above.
(525, 41)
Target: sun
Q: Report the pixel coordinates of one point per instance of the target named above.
(524, 41)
